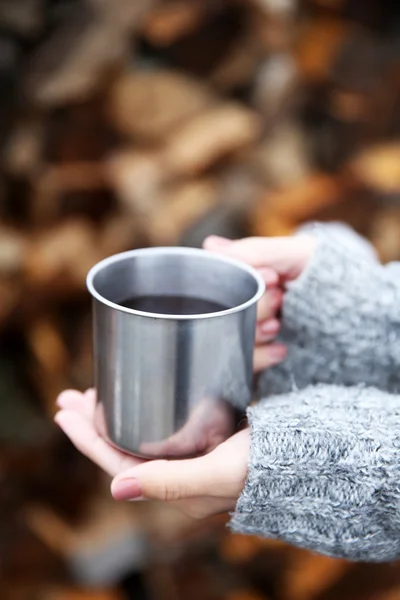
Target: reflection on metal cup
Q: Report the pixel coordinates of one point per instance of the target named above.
(173, 333)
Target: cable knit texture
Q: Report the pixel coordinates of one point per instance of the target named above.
(341, 320)
(324, 469)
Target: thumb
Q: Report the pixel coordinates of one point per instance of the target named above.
(165, 480)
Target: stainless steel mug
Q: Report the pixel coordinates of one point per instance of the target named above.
(169, 385)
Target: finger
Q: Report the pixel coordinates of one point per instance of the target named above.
(211, 475)
(269, 304)
(165, 480)
(84, 404)
(251, 250)
(266, 356)
(269, 276)
(267, 330)
(85, 438)
(286, 255)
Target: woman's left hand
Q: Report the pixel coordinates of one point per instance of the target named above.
(199, 487)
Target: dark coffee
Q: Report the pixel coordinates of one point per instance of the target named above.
(173, 305)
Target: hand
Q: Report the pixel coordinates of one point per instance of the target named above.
(199, 487)
(278, 260)
(212, 483)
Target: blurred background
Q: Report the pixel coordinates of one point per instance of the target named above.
(127, 123)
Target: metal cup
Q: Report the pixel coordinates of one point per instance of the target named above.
(169, 386)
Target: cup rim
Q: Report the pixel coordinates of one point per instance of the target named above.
(174, 250)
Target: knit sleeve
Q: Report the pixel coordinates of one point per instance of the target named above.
(340, 321)
(324, 472)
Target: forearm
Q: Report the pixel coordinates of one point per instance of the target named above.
(323, 472)
(341, 322)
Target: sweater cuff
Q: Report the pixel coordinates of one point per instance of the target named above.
(323, 472)
(337, 277)
(340, 235)
(336, 301)
(340, 322)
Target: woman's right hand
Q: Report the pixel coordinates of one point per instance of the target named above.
(278, 260)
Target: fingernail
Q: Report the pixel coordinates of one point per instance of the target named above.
(277, 352)
(217, 240)
(270, 327)
(126, 489)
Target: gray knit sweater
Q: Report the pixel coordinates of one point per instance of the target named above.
(324, 469)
